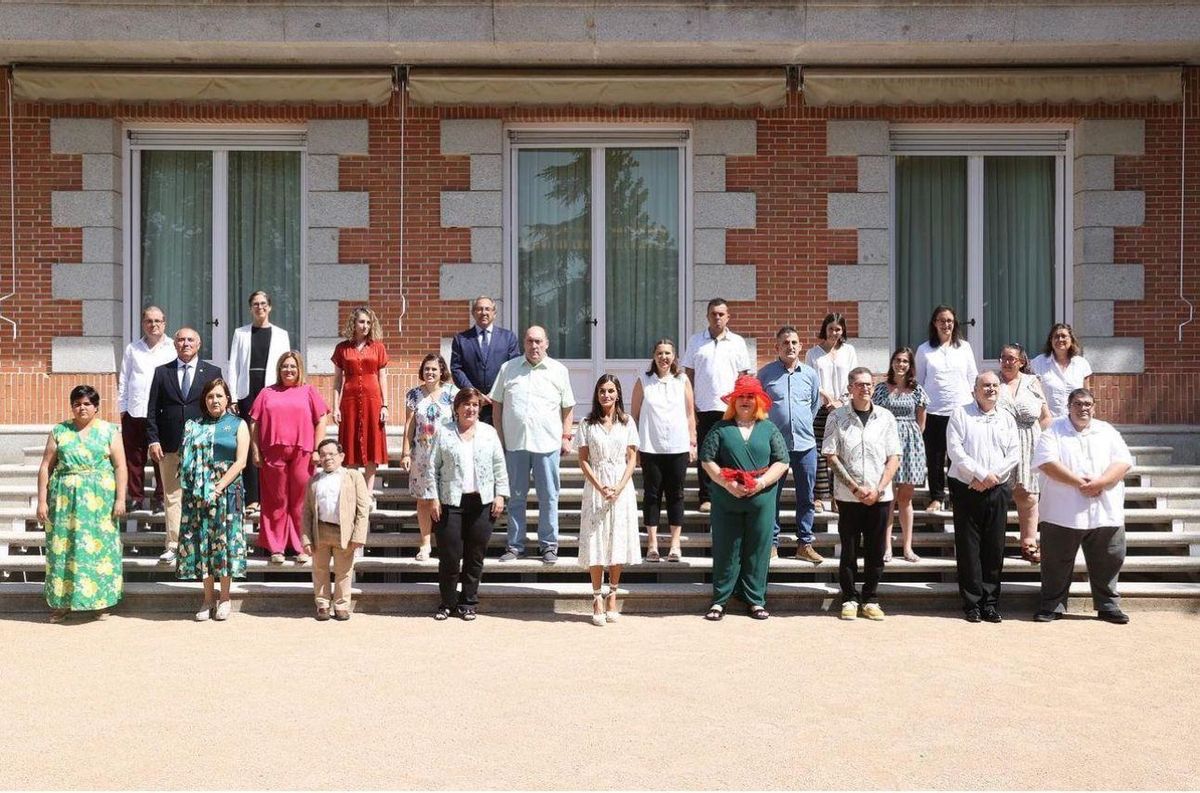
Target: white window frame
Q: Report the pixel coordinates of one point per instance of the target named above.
(1064, 297)
(598, 138)
(220, 139)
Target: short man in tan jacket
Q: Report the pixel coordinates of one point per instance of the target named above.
(337, 507)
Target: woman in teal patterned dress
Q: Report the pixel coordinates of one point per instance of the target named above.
(211, 459)
(82, 471)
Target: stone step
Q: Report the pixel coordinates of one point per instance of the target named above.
(1018, 601)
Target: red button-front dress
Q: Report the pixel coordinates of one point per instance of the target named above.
(360, 432)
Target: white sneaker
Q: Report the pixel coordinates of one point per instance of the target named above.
(849, 610)
(223, 610)
(169, 556)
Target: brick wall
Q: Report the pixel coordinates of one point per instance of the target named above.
(791, 247)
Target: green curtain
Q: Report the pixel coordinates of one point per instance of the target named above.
(1018, 251)
(641, 250)
(931, 242)
(554, 247)
(176, 226)
(264, 235)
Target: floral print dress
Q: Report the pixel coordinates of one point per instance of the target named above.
(83, 547)
(211, 541)
(428, 415)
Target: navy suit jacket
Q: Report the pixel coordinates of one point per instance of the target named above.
(168, 411)
(467, 366)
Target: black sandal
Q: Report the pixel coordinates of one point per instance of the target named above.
(715, 613)
(759, 613)
(441, 614)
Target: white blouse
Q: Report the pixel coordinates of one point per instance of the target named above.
(1057, 382)
(947, 373)
(663, 420)
(833, 372)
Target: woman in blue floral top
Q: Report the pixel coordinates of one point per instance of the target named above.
(426, 408)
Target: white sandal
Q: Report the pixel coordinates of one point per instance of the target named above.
(611, 616)
(597, 600)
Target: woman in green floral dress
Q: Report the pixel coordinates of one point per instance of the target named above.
(82, 471)
(211, 458)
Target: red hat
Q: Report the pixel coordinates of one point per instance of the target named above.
(748, 385)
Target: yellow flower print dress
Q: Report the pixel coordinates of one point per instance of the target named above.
(83, 547)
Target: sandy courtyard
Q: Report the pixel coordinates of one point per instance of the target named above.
(651, 702)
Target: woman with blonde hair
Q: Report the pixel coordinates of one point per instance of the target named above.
(359, 386)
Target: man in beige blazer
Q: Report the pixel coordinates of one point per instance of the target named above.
(337, 506)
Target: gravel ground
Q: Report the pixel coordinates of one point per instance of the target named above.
(650, 702)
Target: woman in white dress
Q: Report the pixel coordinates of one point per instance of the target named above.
(1021, 395)
(833, 359)
(607, 441)
(1061, 367)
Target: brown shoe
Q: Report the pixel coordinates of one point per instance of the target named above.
(322, 614)
(705, 507)
(809, 554)
(341, 616)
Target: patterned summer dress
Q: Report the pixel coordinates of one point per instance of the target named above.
(429, 414)
(1025, 408)
(83, 547)
(608, 530)
(211, 542)
(904, 407)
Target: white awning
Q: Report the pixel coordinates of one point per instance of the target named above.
(822, 87)
(202, 85)
(713, 87)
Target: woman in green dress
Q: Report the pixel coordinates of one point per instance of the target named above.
(744, 455)
(82, 471)
(211, 458)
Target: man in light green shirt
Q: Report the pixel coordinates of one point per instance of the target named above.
(533, 407)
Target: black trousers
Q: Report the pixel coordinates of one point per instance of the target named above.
(462, 536)
(935, 455)
(663, 475)
(865, 528)
(250, 472)
(705, 419)
(979, 523)
(823, 483)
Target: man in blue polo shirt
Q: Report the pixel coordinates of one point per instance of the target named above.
(795, 392)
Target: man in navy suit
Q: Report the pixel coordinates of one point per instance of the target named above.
(477, 353)
(175, 398)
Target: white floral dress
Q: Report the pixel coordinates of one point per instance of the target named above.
(608, 530)
(430, 414)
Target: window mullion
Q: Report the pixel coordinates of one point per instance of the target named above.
(220, 256)
(975, 307)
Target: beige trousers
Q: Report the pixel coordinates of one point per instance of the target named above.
(328, 544)
(172, 496)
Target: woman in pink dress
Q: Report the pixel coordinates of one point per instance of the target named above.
(288, 424)
(359, 383)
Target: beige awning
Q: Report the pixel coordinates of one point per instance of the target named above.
(372, 86)
(714, 87)
(823, 87)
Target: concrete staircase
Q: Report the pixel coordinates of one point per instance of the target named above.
(1162, 569)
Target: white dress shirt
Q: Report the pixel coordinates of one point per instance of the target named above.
(1087, 453)
(947, 373)
(329, 493)
(716, 364)
(981, 443)
(137, 370)
(1058, 383)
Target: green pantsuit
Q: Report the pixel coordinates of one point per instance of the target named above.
(742, 527)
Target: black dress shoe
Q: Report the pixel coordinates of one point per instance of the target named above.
(972, 615)
(1116, 616)
(1046, 616)
(991, 615)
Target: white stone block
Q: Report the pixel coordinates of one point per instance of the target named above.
(486, 172)
(858, 211)
(446, 347)
(84, 136)
(1094, 172)
(731, 138)
(874, 246)
(708, 173)
(709, 246)
(874, 319)
(1094, 245)
(102, 318)
(1093, 318)
(1115, 355)
(341, 136)
(101, 172)
(323, 172)
(319, 354)
(725, 210)
(858, 282)
(1112, 207)
(323, 244)
(856, 138)
(95, 281)
(472, 136)
(464, 209)
(1109, 282)
(487, 244)
(730, 281)
(873, 353)
(85, 354)
(102, 244)
(468, 281)
(1111, 136)
(874, 174)
(322, 318)
(339, 210)
(73, 209)
(338, 281)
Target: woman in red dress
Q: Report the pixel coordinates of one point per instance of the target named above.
(360, 381)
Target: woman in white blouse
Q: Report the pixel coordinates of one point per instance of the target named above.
(833, 359)
(1061, 367)
(946, 369)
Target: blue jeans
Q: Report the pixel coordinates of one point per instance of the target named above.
(545, 480)
(804, 471)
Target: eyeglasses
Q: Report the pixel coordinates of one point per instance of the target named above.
(1008, 359)
(1083, 405)
(860, 385)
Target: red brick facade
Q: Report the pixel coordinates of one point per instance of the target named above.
(791, 246)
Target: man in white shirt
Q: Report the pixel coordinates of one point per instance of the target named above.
(982, 443)
(533, 407)
(141, 358)
(713, 360)
(337, 509)
(1083, 462)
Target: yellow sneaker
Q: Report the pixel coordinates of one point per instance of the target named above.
(849, 610)
(872, 612)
